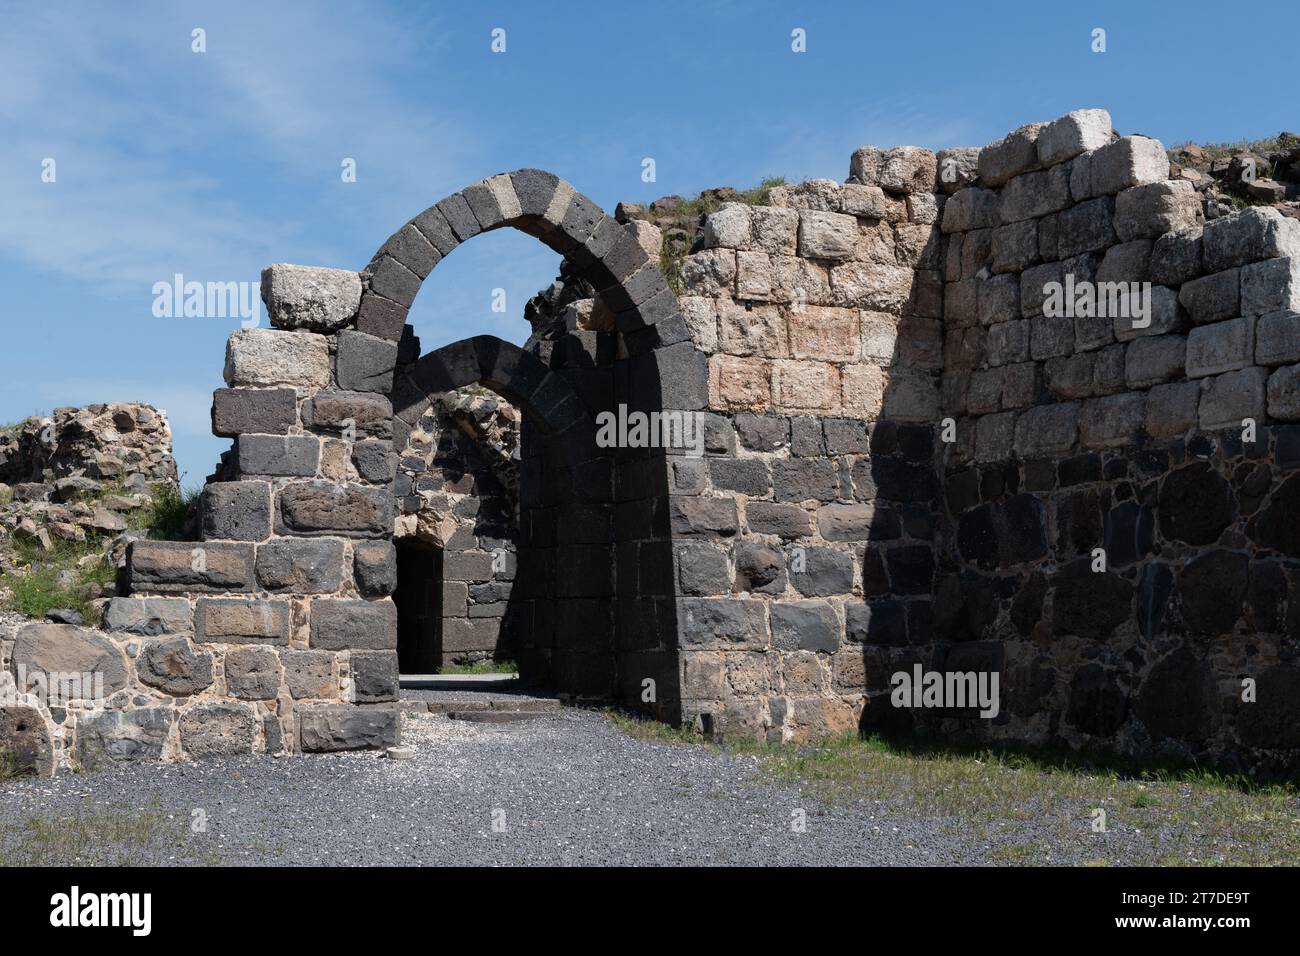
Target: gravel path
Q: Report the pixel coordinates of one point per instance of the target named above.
(571, 789)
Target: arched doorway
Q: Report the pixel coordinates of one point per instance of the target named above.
(592, 605)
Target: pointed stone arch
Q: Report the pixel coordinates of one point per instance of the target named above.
(597, 591)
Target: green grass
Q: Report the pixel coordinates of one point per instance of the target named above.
(6, 495)
(482, 667)
(93, 835)
(35, 589)
(8, 764)
(1157, 813)
(163, 516)
(689, 214)
(643, 728)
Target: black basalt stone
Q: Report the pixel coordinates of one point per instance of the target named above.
(1196, 505)
(1212, 589)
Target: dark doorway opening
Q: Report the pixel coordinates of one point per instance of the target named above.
(419, 607)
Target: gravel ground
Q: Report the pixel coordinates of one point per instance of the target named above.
(572, 789)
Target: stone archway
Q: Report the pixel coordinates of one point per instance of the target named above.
(593, 609)
(285, 603)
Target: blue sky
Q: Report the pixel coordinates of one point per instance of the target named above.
(216, 164)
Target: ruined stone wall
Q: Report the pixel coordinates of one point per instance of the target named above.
(1122, 496)
(907, 459)
(277, 622)
(820, 314)
(943, 459)
(110, 442)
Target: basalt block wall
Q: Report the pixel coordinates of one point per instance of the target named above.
(908, 458)
(931, 459)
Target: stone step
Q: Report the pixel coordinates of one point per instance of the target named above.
(496, 704)
(496, 716)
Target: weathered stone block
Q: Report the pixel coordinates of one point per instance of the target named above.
(1150, 361)
(241, 621)
(309, 673)
(1129, 161)
(821, 572)
(872, 286)
(729, 226)
(995, 436)
(173, 667)
(1172, 409)
(1277, 338)
(236, 411)
(703, 516)
(218, 729)
(337, 411)
(311, 298)
(374, 676)
(374, 565)
(1079, 131)
(783, 520)
(365, 362)
(114, 735)
(1213, 297)
(957, 167)
(277, 456)
(1013, 154)
(722, 623)
(1047, 429)
(1146, 212)
(709, 272)
(1220, 347)
(149, 617)
(1008, 342)
(1163, 315)
(1015, 246)
(1284, 393)
(1032, 195)
(360, 625)
(1112, 420)
(1270, 286)
(375, 461)
(275, 357)
(970, 208)
(1176, 257)
(805, 385)
(70, 660)
(237, 510)
(300, 565)
(331, 727)
(806, 626)
(176, 566)
(1086, 227)
(826, 235)
(326, 508)
(1249, 235)
(1227, 399)
(253, 673)
(27, 740)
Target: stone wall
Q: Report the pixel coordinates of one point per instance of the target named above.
(1162, 450)
(907, 459)
(821, 316)
(111, 442)
(944, 460)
